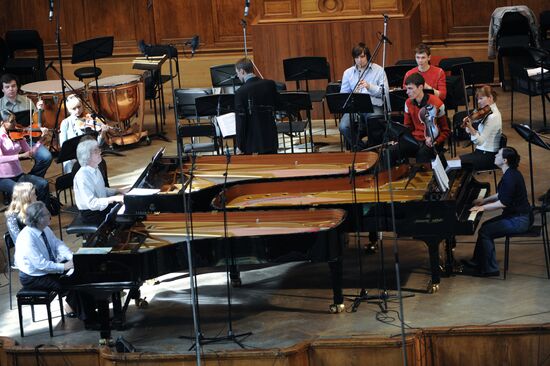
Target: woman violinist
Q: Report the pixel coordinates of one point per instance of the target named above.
(76, 125)
(486, 137)
(12, 151)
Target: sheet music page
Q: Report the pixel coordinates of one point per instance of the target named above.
(143, 191)
(94, 250)
(453, 164)
(440, 174)
(535, 71)
(226, 122)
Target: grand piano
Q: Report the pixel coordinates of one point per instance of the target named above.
(123, 256)
(159, 187)
(423, 210)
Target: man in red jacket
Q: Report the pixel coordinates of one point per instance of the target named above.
(421, 110)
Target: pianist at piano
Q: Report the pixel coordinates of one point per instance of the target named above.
(516, 215)
(42, 258)
(93, 199)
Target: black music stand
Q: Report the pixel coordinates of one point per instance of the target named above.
(532, 138)
(68, 149)
(353, 103)
(224, 76)
(215, 104)
(92, 50)
(293, 103)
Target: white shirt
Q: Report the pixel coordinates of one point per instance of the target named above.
(31, 254)
(375, 76)
(90, 192)
(487, 137)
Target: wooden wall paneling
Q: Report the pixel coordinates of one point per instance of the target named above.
(226, 21)
(273, 9)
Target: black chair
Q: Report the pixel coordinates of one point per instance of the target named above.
(87, 72)
(513, 37)
(530, 86)
(10, 245)
(27, 68)
(38, 297)
(533, 232)
(544, 28)
(79, 228)
(308, 68)
(4, 52)
(185, 102)
(62, 184)
(292, 103)
(396, 74)
(449, 62)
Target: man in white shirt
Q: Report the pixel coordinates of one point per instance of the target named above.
(93, 199)
(42, 258)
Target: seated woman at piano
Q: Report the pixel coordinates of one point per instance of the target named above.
(23, 195)
(77, 125)
(516, 215)
(486, 136)
(93, 198)
(12, 152)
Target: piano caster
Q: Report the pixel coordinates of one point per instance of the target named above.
(236, 282)
(432, 288)
(141, 303)
(337, 308)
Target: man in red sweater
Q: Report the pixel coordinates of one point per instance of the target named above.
(434, 76)
(427, 147)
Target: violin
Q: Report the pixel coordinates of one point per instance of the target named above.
(478, 114)
(21, 132)
(95, 124)
(427, 116)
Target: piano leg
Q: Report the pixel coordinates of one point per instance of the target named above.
(235, 275)
(433, 251)
(103, 315)
(336, 274)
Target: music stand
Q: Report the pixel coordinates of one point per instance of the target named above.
(305, 68)
(340, 103)
(296, 102)
(532, 138)
(68, 149)
(93, 49)
(224, 76)
(215, 104)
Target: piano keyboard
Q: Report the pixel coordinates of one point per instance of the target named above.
(481, 194)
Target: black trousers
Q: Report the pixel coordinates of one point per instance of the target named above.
(82, 304)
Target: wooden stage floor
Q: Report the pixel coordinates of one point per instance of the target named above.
(286, 304)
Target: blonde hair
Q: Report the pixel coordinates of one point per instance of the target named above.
(72, 101)
(21, 198)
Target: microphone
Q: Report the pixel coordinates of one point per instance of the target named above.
(386, 17)
(386, 39)
(194, 44)
(246, 7)
(50, 17)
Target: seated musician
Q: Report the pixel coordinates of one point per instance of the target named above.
(11, 152)
(516, 215)
(93, 198)
(486, 137)
(427, 146)
(23, 195)
(14, 102)
(434, 77)
(42, 258)
(77, 125)
(373, 83)
(255, 101)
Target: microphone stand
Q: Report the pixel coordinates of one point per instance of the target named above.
(363, 294)
(244, 24)
(188, 235)
(392, 206)
(231, 336)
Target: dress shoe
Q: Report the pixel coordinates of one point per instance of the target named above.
(469, 263)
(371, 247)
(487, 274)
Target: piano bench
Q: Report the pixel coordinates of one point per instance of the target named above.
(37, 297)
(79, 228)
(533, 232)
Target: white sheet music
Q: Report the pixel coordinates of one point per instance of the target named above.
(440, 174)
(226, 122)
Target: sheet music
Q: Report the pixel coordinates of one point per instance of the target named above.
(226, 122)
(440, 174)
(535, 71)
(453, 164)
(143, 191)
(94, 250)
